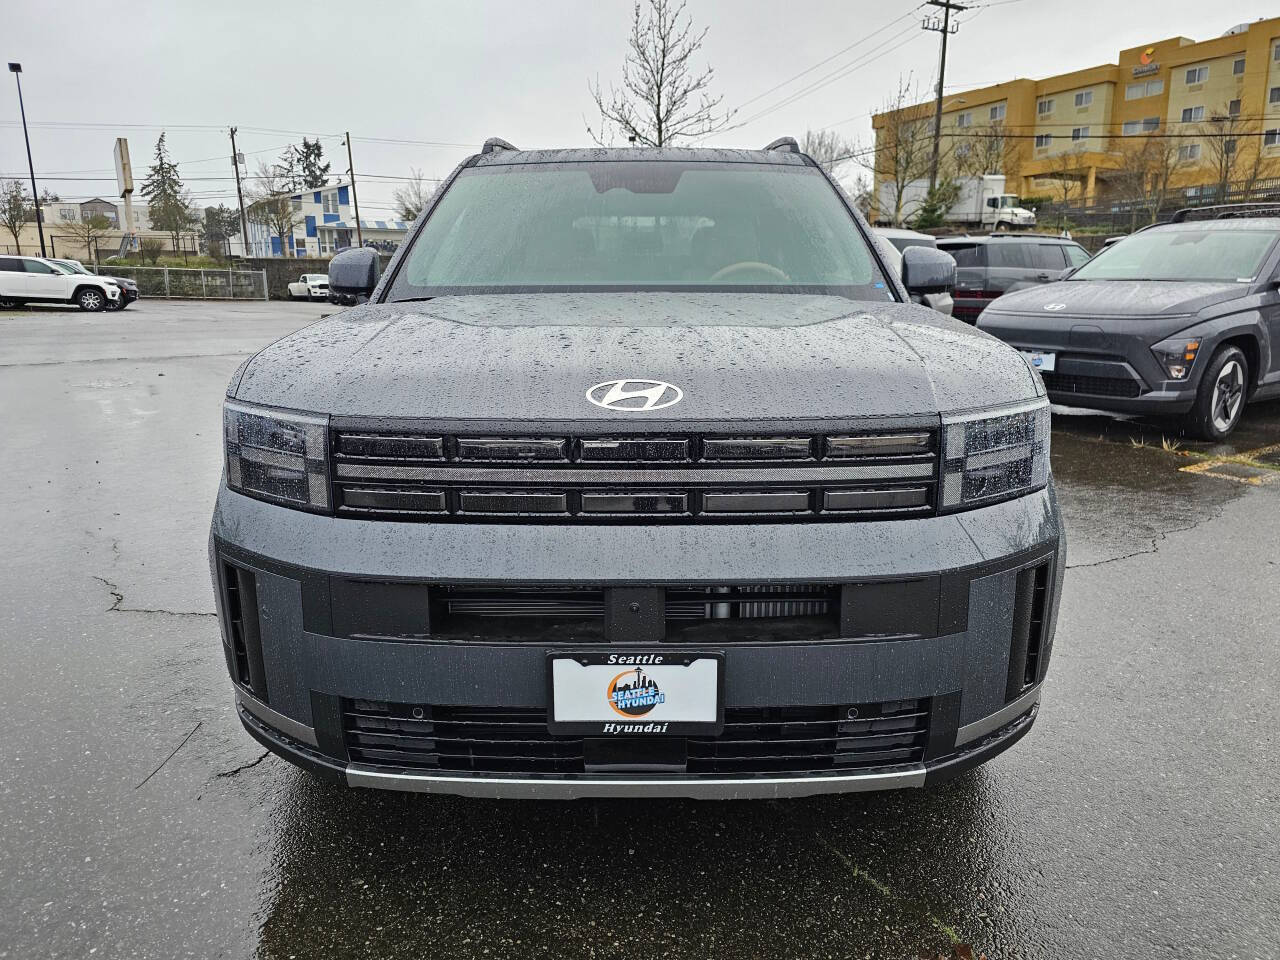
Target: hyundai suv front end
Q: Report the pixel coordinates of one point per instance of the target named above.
(639, 474)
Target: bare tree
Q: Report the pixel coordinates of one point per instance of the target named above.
(15, 209)
(86, 233)
(413, 196)
(828, 148)
(664, 97)
(985, 150)
(271, 205)
(903, 153)
(1223, 135)
(1164, 162)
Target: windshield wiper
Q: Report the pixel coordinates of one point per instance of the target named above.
(411, 300)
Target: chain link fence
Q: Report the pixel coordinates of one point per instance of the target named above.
(194, 284)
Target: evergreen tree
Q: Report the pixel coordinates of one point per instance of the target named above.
(303, 168)
(168, 201)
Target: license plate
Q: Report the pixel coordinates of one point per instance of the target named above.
(1041, 361)
(636, 693)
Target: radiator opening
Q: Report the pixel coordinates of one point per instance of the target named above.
(1028, 629)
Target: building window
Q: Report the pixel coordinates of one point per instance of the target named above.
(1084, 98)
(1233, 108)
(1150, 124)
(330, 202)
(997, 113)
(1237, 68)
(1043, 140)
(1197, 75)
(1192, 114)
(1131, 128)
(1272, 137)
(1228, 147)
(1189, 151)
(68, 214)
(1044, 106)
(1274, 96)
(964, 119)
(1136, 91)
(1079, 133)
(1276, 52)
(296, 203)
(962, 150)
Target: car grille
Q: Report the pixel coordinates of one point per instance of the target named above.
(1091, 386)
(794, 740)
(836, 475)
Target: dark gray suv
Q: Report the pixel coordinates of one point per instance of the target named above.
(1180, 318)
(638, 474)
(989, 267)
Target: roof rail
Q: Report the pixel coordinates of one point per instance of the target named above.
(494, 144)
(784, 143)
(1226, 211)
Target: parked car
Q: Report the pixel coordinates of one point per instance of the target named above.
(1180, 318)
(988, 267)
(898, 240)
(128, 287)
(310, 286)
(638, 474)
(35, 280)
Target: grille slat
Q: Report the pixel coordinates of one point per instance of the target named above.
(841, 475)
(766, 740)
(1091, 386)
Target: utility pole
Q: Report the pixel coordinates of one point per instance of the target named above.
(944, 26)
(244, 223)
(16, 70)
(351, 172)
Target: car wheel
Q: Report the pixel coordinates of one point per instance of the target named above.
(1222, 394)
(1002, 227)
(91, 299)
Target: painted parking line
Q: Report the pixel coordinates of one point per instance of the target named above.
(1254, 467)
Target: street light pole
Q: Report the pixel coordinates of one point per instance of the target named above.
(16, 70)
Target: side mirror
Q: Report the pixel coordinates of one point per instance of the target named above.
(926, 270)
(354, 273)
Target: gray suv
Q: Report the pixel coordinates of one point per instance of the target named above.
(989, 267)
(1178, 319)
(637, 474)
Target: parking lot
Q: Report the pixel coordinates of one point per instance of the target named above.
(1136, 820)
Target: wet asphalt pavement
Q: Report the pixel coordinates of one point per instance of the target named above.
(1138, 819)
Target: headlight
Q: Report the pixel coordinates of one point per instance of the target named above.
(994, 455)
(1177, 356)
(277, 455)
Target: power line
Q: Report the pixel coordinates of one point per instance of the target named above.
(824, 62)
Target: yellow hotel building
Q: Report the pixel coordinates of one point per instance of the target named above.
(1171, 86)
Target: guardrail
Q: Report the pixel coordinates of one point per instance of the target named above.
(192, 283)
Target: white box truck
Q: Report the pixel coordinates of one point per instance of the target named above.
(982, 203)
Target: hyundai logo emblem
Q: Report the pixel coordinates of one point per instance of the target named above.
(634, 394)
(1055, 306)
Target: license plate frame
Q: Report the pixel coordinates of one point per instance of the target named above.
(1042, 360)
(602, 668)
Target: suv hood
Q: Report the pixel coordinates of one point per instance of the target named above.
(1116, 298)
(735, 356)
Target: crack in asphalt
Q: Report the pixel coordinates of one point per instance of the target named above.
(244, 766)
(119, 599)
(199, 724)
(1155, 543)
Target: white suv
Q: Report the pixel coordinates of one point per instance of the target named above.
(33, 280)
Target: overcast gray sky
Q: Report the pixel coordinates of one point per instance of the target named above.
(454, 73)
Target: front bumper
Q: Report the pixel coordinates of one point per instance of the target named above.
(1096, 368)
(314, 660)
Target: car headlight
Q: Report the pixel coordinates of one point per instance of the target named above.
(277, 455)
(994, 455)
(1177, 356)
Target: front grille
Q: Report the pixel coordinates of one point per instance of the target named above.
(836, 475)
(754, 741)
(1091, 386)
(723, 614)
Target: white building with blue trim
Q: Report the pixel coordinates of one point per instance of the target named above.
(326, 224)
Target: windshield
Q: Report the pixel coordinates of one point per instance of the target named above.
(555, 227)
(67, 267)
(1228, 256)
